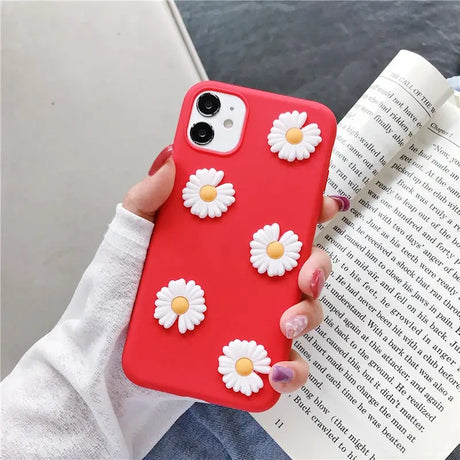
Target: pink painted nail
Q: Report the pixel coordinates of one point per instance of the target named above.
(343, 201)
(161, 159)
(317, 283)
(282, 374)
(295, 325)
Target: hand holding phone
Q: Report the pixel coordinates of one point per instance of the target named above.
(209, 256)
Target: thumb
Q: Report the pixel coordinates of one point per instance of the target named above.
(146, 197)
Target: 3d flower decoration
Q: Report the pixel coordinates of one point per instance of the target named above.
(240, 363)
(205, 197)
(290, 140)
(183, 300)
(272, 254)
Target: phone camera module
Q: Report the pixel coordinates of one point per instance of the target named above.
(201, 133)
(208, 104)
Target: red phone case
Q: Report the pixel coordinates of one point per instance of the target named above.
(241, 304)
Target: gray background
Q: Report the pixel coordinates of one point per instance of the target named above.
(90, 95)
(326, 51)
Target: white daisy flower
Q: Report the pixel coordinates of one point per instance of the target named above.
(272, 254)
(203, 194)
(183, 300)
(290, 140)
(239, 364)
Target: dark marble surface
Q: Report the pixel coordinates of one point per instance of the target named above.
(321, 50)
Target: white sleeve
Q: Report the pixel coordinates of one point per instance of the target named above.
(68, 396)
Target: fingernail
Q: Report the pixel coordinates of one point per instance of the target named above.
(343, 201)
(161, 159)
(295, 325)
(282, 374)
(317, 283)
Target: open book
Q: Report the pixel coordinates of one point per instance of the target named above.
(384, 365)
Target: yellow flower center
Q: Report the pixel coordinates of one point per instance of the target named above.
(179, 305)
(208, 193)
(244, 366)
(275, 250)
(294, 135)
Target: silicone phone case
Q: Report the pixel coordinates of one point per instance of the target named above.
(242, 304)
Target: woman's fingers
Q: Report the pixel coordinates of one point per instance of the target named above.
(288, 376)
(147, 196)
(307, 314)
(301, 318)
(332, 205)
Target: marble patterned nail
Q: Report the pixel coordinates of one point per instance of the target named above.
(295, 325)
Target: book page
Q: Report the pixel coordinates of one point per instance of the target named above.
(384, 365)
(399, 102)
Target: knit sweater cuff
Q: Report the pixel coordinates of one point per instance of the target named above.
(129, 233)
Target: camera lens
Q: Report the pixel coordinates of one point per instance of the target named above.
(208, 104)
(201, 133)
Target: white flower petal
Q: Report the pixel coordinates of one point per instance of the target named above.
(292, 154)
(226, 200)
(191, 187)
(229, 378)
(276, 147)
(204, 176)
(277, 131)
(195, 316)
(261, 237)
(191, 202)
(301, 119)
(288, 263)
(245, 387)
(226, 188)
(260, 354)
(259, 251)
(275, 268)
(218, 176)
(263, 266)
(203, 212)
(258, 245)
(181, 324)
(188, 322)
(289, 119)
(274, 137)
(280, 125)
(168, 320)
(195, 293)
(162, 302)
(256, 382)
